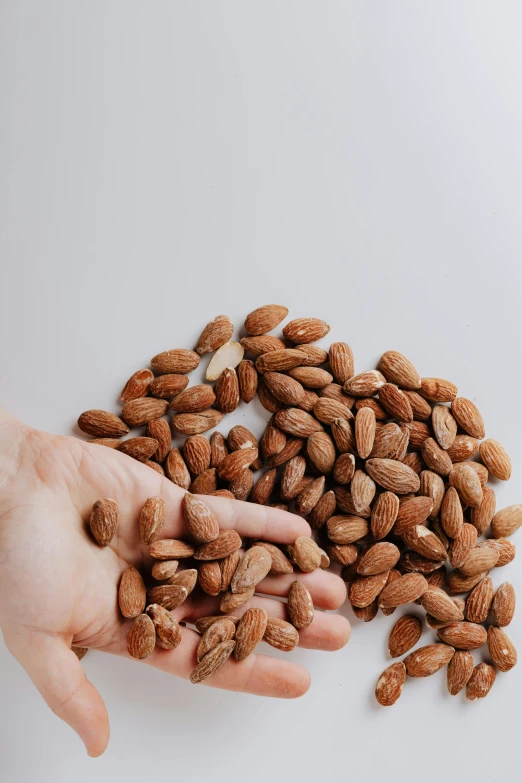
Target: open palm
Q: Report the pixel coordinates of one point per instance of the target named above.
(58, 588)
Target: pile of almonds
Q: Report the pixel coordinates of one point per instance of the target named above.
(389, 468)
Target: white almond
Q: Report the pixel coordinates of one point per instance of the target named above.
(229, 355)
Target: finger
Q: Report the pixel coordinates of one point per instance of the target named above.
(59, 676)
(328, 591)
(326, 632)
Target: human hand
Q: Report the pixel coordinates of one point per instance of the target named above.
(58, 588)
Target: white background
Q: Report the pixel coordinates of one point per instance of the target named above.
(162, 162)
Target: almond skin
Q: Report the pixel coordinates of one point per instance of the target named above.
(212, 662)
(155, 466)
(462, 544)
(110, 443)
(468, 417)
(478, 603)
(463, 448)
(420, 408)
(315, 355)
(280, 361)
(343, 435)
(390, 684)
(273, 440)
(345, 529)
(393, 476)
(425, 542)
(152, 519)
(365, 431)
(365, 589)
(141, 639)
(305, 330)
(218, 449)
(265, 318)
(205, 483)
(280, 563)
(262, 344)
(334, 391)
(249, 632)
(247, 379)
(436, 458)
(481, 558)
(496, 459)
(176, 469)
(241, 486)
(327, 410)
(431, 485)
(164, 569)
(228, 567)
(501, 648)
(209, 577)
(311, 377)
(507, 521)
(323, 510)
(309, 497)
(104, 520)
(136, 413)
(167, 596)
(227, 391)
(506, 550)
(280, 634)
(284, 388)
(463, 635)
(344, 468)
(252, 568)
(365, 384)
(205, 622)
(263, 487)
(170, 549)
(232, 601)
(467, 483)
(404, 635)
(340, 357)
(266, 398)
(201, 520)
(444, 426)
(194, 399)
(131, 593)
(460, 669)
(297, 422)
(197, 453)
(411, 513)
(141, 449)
(427, 660)
(102, 424)
(137, 385)
(395, 402)
(168, 632)
(404, 590)
(177, 361)
(215, 334)
(482, 515)
(233, 464)
(378, 558)
(386, 441)
(438, 604)
(384, 514)
(321, 451)
(503, 606)
(458, 583)
(480, 682)
(438, 390)
(221, 630)
(300, 605)
(196, 423)
(160, 431)
(451, 515)
(306, 554)
(224, 545)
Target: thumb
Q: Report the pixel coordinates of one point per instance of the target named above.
(59, 676)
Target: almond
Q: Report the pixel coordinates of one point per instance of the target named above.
(496, 459)
(137, 385)
(102, 424)
(205, 483)
(363, 490)
(104, 520)
(386, 441)
(273, 440)
(241, 486)
(365, 589)
(420, 408)
(310, 496)
(414, 461)
(222, 630)
(197, 453)
(480, 682)
(177, 360)
(438, 390)
(131, 593)
(280, 563)
(431, 485)
(436, 458)
(479, 601)
(110, 443)
(228, 567)
(176, 469)
(463, 635)
(334, 391)
(395, 402)
(321, 451)
(141, 411)
(397, 369)
(342, 554)
(468, 417)
(170, 549)
(378, 558)
(280, 361)
(297, 422)
(232, 601)
(371, 402)
(262, 344)
(265, 318)
(390, 684)
(227, 391)
(167, 386)
(215, 334)
(428, 660)
(196, 423)
(482, 515)
(160, 431)
(480, 470)
(467, 483)
(462, 448)
(438, 604)
(224, 545)
(365, 384)
(247, 380)
(194, 399)
(444, 426)
(201, 520)
(346, 529)
(252, 568)
(503, 606)
(404, 635)
(223, 493)
(345, 503)
(263, 487)
(291, 449)
(340, 357)
(344, 468)
(168, 596)
(227, 356)
(164, 569)
(343, 435)
(364, 431)
(411, 513)
(205, 622)
(366, 613)
(462, 545)
(412, 562)
(291, 477)
(155, 466)
(305, 330)
(141, 449)
(152, 519)
(209, 577)
(311, 377)
(284, 388)
(308, 401)
(481, 558)
(212, 661)
(314, 355)
(393, 476)
(168, 632)
(327, 410)
(458, 583)
(507, 521)
(460, 669)
(404, 590)
(322, 511)
(280, 634)
(506, 550)
(306, 554)
(141, 639)
(233, 464)
(249, 632)
(451, 515)
(300, 605)
(384, 514)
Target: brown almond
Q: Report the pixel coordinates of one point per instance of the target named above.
(168, 596)
(378, 558)
(480, 470)
(280, 563)
(397, 369)
(197, 453)
(463, 448)
(444, 426)
(273, 440)
(314, 355)
(482, 515)
(503, 605)
(168, 631)
(196, 423)
(102, 424)
(284, 388)
(343, 529)
(307, 499)
(209, 577)
(468, 417)
(263, 487)
(428, 660)
(323, 510)
(104, 520)
(152, 519)
(201, 521)
(293, 472)
(131, 593)
(462, 544)
(458, 583)
(252, 568)
(291, 449)
(233, 464)
(265, 318)
(480, 682)
(371, 402)
(167, 386)
(334, 391)
(425, 542)
(344, 468)
(141, 449)
(411, 513)
(438, 390)
(365, 384)
(321, 451)
(414, 461)
(327, 410)
(280, 361)
(300, 605)
(241, 486)
(342, 554)
(366, 613)
(496, 459)
(160, 431)
(365, 431)
(345, 504)
(227, 391)
(138, 412)
(203, 623)
(305, 330)
(232, 601)
(363, 490)
(228, 567)
(164, 569)
(176, 469)
(178, 361)
(404, 635)
(365, 589)
(404, 590)
(137, 385)
(463, 635)
(224, 545)
(110, 443)
(431, 485)
(215, 334)
(247, 379)
(390, 684)
(205, 483)
(395, 402)
(460, 669)
(506, 550)
(481, 558)
(436, 458)
(306, 554)
(212, 661)
(393, 476)
(479, 601)
(221, 630)
(280, 634)
(170, 549)
(343, 436)
(249, 632)
(263, 343)
(451, 515)
(340, 357)
(187, 578)
(467, 483)
(311, 377)
(420, 408)
(266, 398)
(297, 422)
(141, 639)
(507, 521)
(438, 603)
(386, 441)
(384, 514)
(194, 399)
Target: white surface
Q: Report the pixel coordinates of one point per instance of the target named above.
(164, 162)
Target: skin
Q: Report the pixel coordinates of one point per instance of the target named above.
(58, 587)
